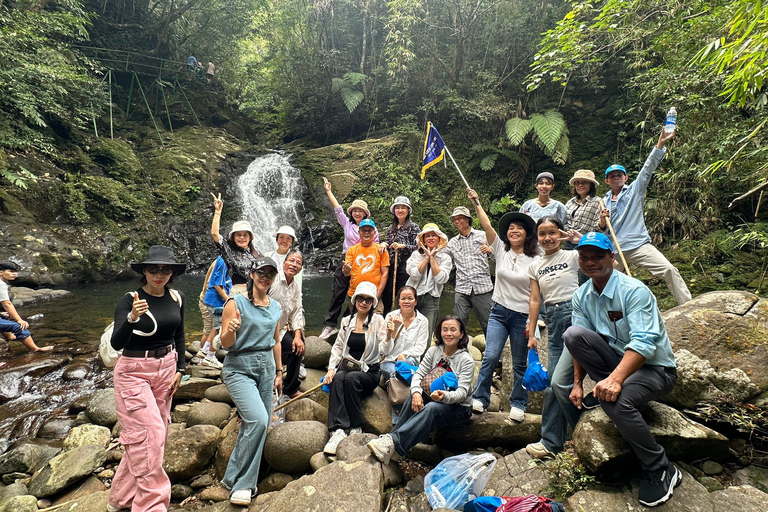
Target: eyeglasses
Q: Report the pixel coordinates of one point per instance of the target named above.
(364, 300)
(295, 261)
(154, 269)
(269, 274)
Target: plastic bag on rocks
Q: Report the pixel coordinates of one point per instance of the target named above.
(459, 479)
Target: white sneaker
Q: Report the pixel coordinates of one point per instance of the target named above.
(200, 354)
(516, 414)
(382, 448)
(111, 508)
(333, 443)
(328, 332)
(302, 371)
(241, 497)
(477, 406)
(539, 451)
(356, 430)
(212, 362)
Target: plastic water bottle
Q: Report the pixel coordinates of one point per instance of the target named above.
(671, 123)
(35, 317)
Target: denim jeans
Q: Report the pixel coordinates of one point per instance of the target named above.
(413, 427)
(556, 414)
(429, 306)
(504, 323)
(250, 378)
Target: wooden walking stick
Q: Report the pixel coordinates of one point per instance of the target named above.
(394, 282)
(298, 397)
(615, 240)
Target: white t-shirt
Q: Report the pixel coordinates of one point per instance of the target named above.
(557, 274)
(513, 286)
(4, 291)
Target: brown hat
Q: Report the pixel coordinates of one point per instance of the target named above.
(359, 203)
(583, 174)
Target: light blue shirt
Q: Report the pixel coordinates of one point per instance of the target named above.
(627, 212)
(553, 209)
(641, 329)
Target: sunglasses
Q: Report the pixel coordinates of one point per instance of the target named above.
(269, 274)
(154, 269)
(364, 300)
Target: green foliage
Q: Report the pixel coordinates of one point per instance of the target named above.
(344, 86)
(517, 128)
(549, 133)
(747, 418)
(18, 177)
(567, 475)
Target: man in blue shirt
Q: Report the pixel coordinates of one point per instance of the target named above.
(626, 204)
(618, 337)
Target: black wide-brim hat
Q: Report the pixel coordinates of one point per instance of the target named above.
(518, 218)
(160, 255)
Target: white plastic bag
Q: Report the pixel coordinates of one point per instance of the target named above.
(278, 417)
(459, 479)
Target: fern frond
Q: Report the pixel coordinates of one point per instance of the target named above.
(489, 162)
(517, 128)
(548, 128)
(561, 151)
(338, 84)
(354, 78)
(351, 98)
(481, 148)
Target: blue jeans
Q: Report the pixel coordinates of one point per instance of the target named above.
(250, 378)
(504, 323)
(429, 306)
(413, 427)
(15, 328)
(556, 415)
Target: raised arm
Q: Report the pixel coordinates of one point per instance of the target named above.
(490, 234)
(331, 197)
(218, 204)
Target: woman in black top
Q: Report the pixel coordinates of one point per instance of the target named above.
(401, 237)
(149, 329)
(237, 250)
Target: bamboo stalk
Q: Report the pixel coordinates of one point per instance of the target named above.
(298, 397)
(616, 240)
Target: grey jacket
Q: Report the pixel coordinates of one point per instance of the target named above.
(462, 365)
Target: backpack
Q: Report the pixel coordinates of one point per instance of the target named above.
(107, 353)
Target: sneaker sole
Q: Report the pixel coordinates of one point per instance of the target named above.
(677, 479)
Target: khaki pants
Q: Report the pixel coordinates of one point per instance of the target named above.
(651, 259)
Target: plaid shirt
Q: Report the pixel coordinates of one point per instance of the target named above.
(472, 272)
(584, 217)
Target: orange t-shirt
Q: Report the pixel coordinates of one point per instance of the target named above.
(367, 265)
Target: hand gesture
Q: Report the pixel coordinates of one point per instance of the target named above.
(417, 403)
(139, 307)
(571, 235)
(218, 204)
(472, 195)
(346, 269)
(390, 327)
(234, 324)
(665, 136)
(431, 252)
(326, 184)
(397, 321)
(437, 395)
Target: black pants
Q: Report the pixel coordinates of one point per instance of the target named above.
(291, 363)
(347, 393)
(340, 288)
(402, 278)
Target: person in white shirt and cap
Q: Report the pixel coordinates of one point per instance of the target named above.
(286, 240)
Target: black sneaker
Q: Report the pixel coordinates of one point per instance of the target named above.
(590, 401)
(656, 487)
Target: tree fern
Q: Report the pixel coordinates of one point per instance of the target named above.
(354, 78)
(488, 162)
(517, 128)
(349, 96)
(549, 128)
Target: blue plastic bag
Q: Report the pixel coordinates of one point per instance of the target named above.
(459, 479)
(536, 377)
(405, 371)
(446, 382)
(326, 387)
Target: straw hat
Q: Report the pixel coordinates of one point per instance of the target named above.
(241, 225)
(367, 289)
(359, 203)
(160, 255)
(583, 174)
(432, 228)
(403, 201)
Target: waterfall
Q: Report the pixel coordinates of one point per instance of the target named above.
(270, 192)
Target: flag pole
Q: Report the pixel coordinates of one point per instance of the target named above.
(477, 202)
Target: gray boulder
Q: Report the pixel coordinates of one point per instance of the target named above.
(87, 434)
(24, 503)
(188, 451)
(377, 412)
(306, 410)
(203, 372)
(87, 486)
(602, 449)
(96, 502)
(491, 429)
(312, 380)
(179, 413)
(193, 389)
(753, 475)
(516, 475)
(274, 482)
(226, 447)
(26, 458)
(219, 393)
(8, 492)
(56, 428)
(208, 413)
(66, 469)
(479, 342)
(318, 460)
(289, 446)
(338, 486)
(101, 408)
(317, 352)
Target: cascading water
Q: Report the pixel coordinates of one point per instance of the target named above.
(270, 192)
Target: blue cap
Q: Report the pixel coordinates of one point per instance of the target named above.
(615, 167)
(596, 240)
(366, 222)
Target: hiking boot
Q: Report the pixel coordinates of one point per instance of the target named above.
(517, 414)
(656, 487)
(333, 443)
(302, 371)
(590, 401)
(539, 451)
(328, 331)
(356, 430)
(241, 497)
(477, 406)
(383, 447)
(212, 362)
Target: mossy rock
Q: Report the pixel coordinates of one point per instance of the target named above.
(117, 158)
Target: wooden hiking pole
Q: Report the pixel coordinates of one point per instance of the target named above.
(394, 282)
(298, 397)
(615, 240)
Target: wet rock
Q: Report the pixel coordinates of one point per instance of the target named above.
(711, 468)
(602, 449)
(318, 460)
(342, 486)
(306, 410)
(9, 491)
(77, 371)
(85, 487)
(208, 413)
(274, 482)
(226, 447)
(66, 469)
(87, 434)
(203, 372)
(189, 450)
(416, 484)
(515, 475)
(317, 352)
(56, 428)
(82, 418)
(312, 380)
(289, 446)
(101, 408)
(23, 295)
(491, 429)
(710, 484)
(79, 405)
(426, 453)
(377, 412)
(25, 503)
(180, 492)
(216, 494)
(12, 478)
(27, 457)
(201, 481)
(96, 502)
(193, 389)
(755, 476)
(219, 393)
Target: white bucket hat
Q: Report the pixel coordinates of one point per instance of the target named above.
(403, 201)
(241, 225)
(367, 289)
(286, 230)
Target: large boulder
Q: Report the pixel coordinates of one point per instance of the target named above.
(193, 389)
(491, 429)
(602, 449)
(317, 352)
(189, 450)
(96, 502)
(289, 446)
(219, 393)
(87, 434)
(208, 413)
(26, 457)
(274, 482)
(66, 469)
(306, 410)
(25, 503)
(339, 486)
(516, 475)
(203, 372)
(101, 408)
(312, 380)
(226, 447)
(89, 485)
(729, 330)
(377, 412)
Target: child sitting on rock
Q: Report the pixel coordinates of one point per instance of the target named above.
(17, 326)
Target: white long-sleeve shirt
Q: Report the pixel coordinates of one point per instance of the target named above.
(428, 282)
(291, 301)
(412, 340)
